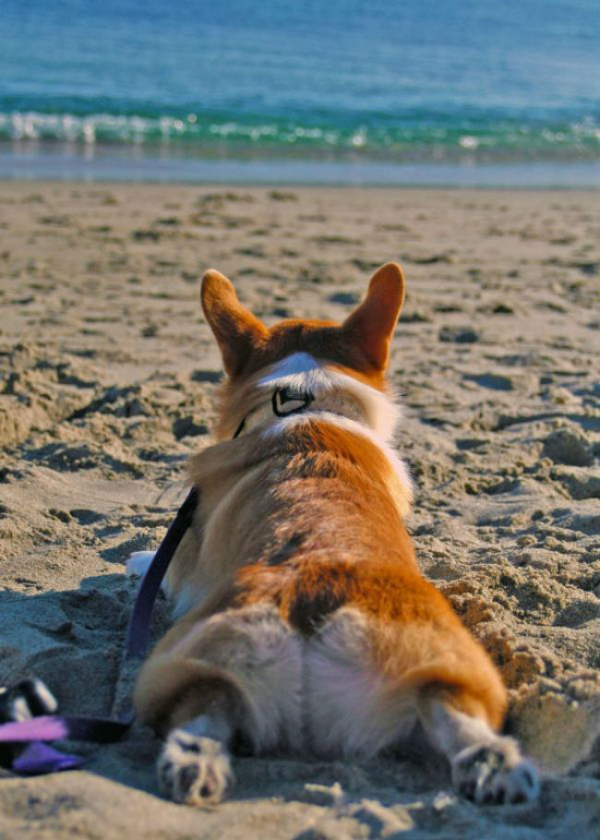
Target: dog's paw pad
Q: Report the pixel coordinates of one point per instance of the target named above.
(495, 774)
(194, 770)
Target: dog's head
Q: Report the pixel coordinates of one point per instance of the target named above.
(360, 344)
(302, 360)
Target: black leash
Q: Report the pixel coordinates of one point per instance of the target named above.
(27, 707)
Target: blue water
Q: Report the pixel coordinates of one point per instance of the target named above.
(437, 82)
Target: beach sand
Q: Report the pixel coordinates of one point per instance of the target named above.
(108, 371)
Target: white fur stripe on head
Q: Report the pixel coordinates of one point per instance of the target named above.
(302, 372)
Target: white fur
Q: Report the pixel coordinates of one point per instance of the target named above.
(485, 766)
(265, 656)
(194, 769)
(209, 727)
(313, 695)
(138, 563)
(302, 372)
(347, 702)
(455, 730)
(297, 363)
(191, 596)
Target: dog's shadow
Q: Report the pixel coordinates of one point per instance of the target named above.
(74, 641)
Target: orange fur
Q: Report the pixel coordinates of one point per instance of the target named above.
(299, 554)
(360, 344)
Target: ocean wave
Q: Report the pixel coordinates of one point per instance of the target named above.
(386, 137)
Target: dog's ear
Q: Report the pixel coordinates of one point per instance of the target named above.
(236, 329)
(372, 324)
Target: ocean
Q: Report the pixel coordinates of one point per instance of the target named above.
(348, 91)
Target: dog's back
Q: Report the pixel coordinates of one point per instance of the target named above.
(305, 623)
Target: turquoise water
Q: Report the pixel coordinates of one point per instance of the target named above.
(419, 81)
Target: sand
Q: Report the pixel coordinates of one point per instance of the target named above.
(107, 376)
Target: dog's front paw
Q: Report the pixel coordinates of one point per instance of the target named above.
(495, 773)
(194, 770)
(138, 563)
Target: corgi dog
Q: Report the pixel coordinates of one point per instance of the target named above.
(302, 621)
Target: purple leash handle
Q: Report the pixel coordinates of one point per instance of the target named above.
(38, 757)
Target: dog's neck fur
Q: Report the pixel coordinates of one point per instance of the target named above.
(333, 393)
(336, 404)
(338, 398)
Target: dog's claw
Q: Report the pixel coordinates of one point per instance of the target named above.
(495, 774)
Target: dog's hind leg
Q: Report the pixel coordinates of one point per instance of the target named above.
(197, 708)
(486, 767)
(194, 766)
